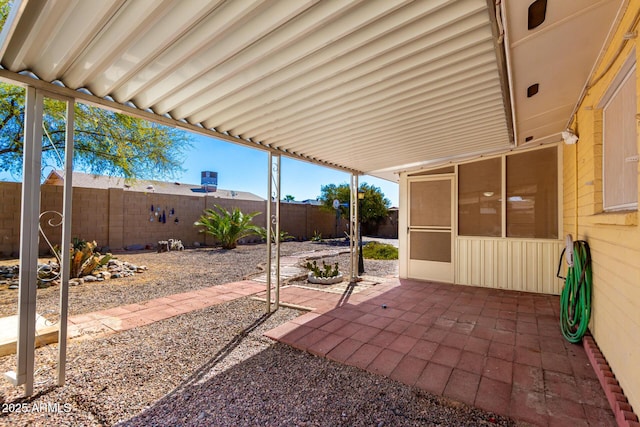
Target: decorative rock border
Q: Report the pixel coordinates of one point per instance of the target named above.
(625, 417)
(49, 274)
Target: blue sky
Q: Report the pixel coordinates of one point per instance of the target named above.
(245, 169)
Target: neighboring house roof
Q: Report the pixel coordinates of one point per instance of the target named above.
(303, 202)
(86, 180)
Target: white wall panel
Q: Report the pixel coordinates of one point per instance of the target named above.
(520, 265)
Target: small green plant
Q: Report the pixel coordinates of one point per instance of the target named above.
(227, 227)
(325, 272)
(376, 250)
(317, 237)
(284, 236)
(84, 259)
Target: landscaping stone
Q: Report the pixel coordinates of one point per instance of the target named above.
(137, 247)
(48, 274)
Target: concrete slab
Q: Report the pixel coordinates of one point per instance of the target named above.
(46, 333)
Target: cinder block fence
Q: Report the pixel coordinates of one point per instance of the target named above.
(119, 218)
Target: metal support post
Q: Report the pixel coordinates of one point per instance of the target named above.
(30, 215)
(353, 227)
(275, 220)
(273, 230)
(360, 256)
(65, 263)
(269, 236)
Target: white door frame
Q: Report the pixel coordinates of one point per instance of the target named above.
(432, 270)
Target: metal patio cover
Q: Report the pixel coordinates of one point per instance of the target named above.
(373, 86)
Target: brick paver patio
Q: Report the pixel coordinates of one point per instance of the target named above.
(498, 350)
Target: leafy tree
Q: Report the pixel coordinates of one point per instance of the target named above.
(5, 7)
(373, 208)
(105, 142)
(227, 227)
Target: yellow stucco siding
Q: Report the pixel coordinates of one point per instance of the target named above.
(614, 238)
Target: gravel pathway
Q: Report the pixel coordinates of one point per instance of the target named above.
(175, 272)
(211, 367)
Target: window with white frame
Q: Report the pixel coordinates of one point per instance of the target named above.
(620, 142)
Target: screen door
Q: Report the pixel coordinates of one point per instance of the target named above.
(430, 229)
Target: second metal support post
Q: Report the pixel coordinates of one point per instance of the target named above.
(353, 226)
(273, 231)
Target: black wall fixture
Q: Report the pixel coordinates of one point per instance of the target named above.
(537, 13)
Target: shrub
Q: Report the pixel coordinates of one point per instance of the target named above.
(284, 236)
(227, 227)
(375, 250)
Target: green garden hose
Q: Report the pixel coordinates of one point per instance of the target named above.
(575, 300)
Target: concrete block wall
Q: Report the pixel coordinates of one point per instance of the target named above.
(89, 215)
(387, 228)
(118, 218)
(301, 223)
(143, 226)
(10, 195)
(246, 206)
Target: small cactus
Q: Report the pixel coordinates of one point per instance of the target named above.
(325, 272)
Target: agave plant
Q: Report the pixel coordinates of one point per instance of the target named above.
(227, 227)
(84, 259)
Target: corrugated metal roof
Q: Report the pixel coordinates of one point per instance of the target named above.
(371, 86)
(363, 85)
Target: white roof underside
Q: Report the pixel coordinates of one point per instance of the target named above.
(372, 86)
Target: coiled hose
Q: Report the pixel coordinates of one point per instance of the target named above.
(575, 300)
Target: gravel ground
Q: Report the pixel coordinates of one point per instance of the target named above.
(174, 272)
(211, 367)
(223, 372)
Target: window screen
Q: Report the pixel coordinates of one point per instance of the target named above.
(479, 198)
(620, 171)
(430, 204)
(532, 194)
(430, 245)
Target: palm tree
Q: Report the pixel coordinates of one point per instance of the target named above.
(228, 227)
